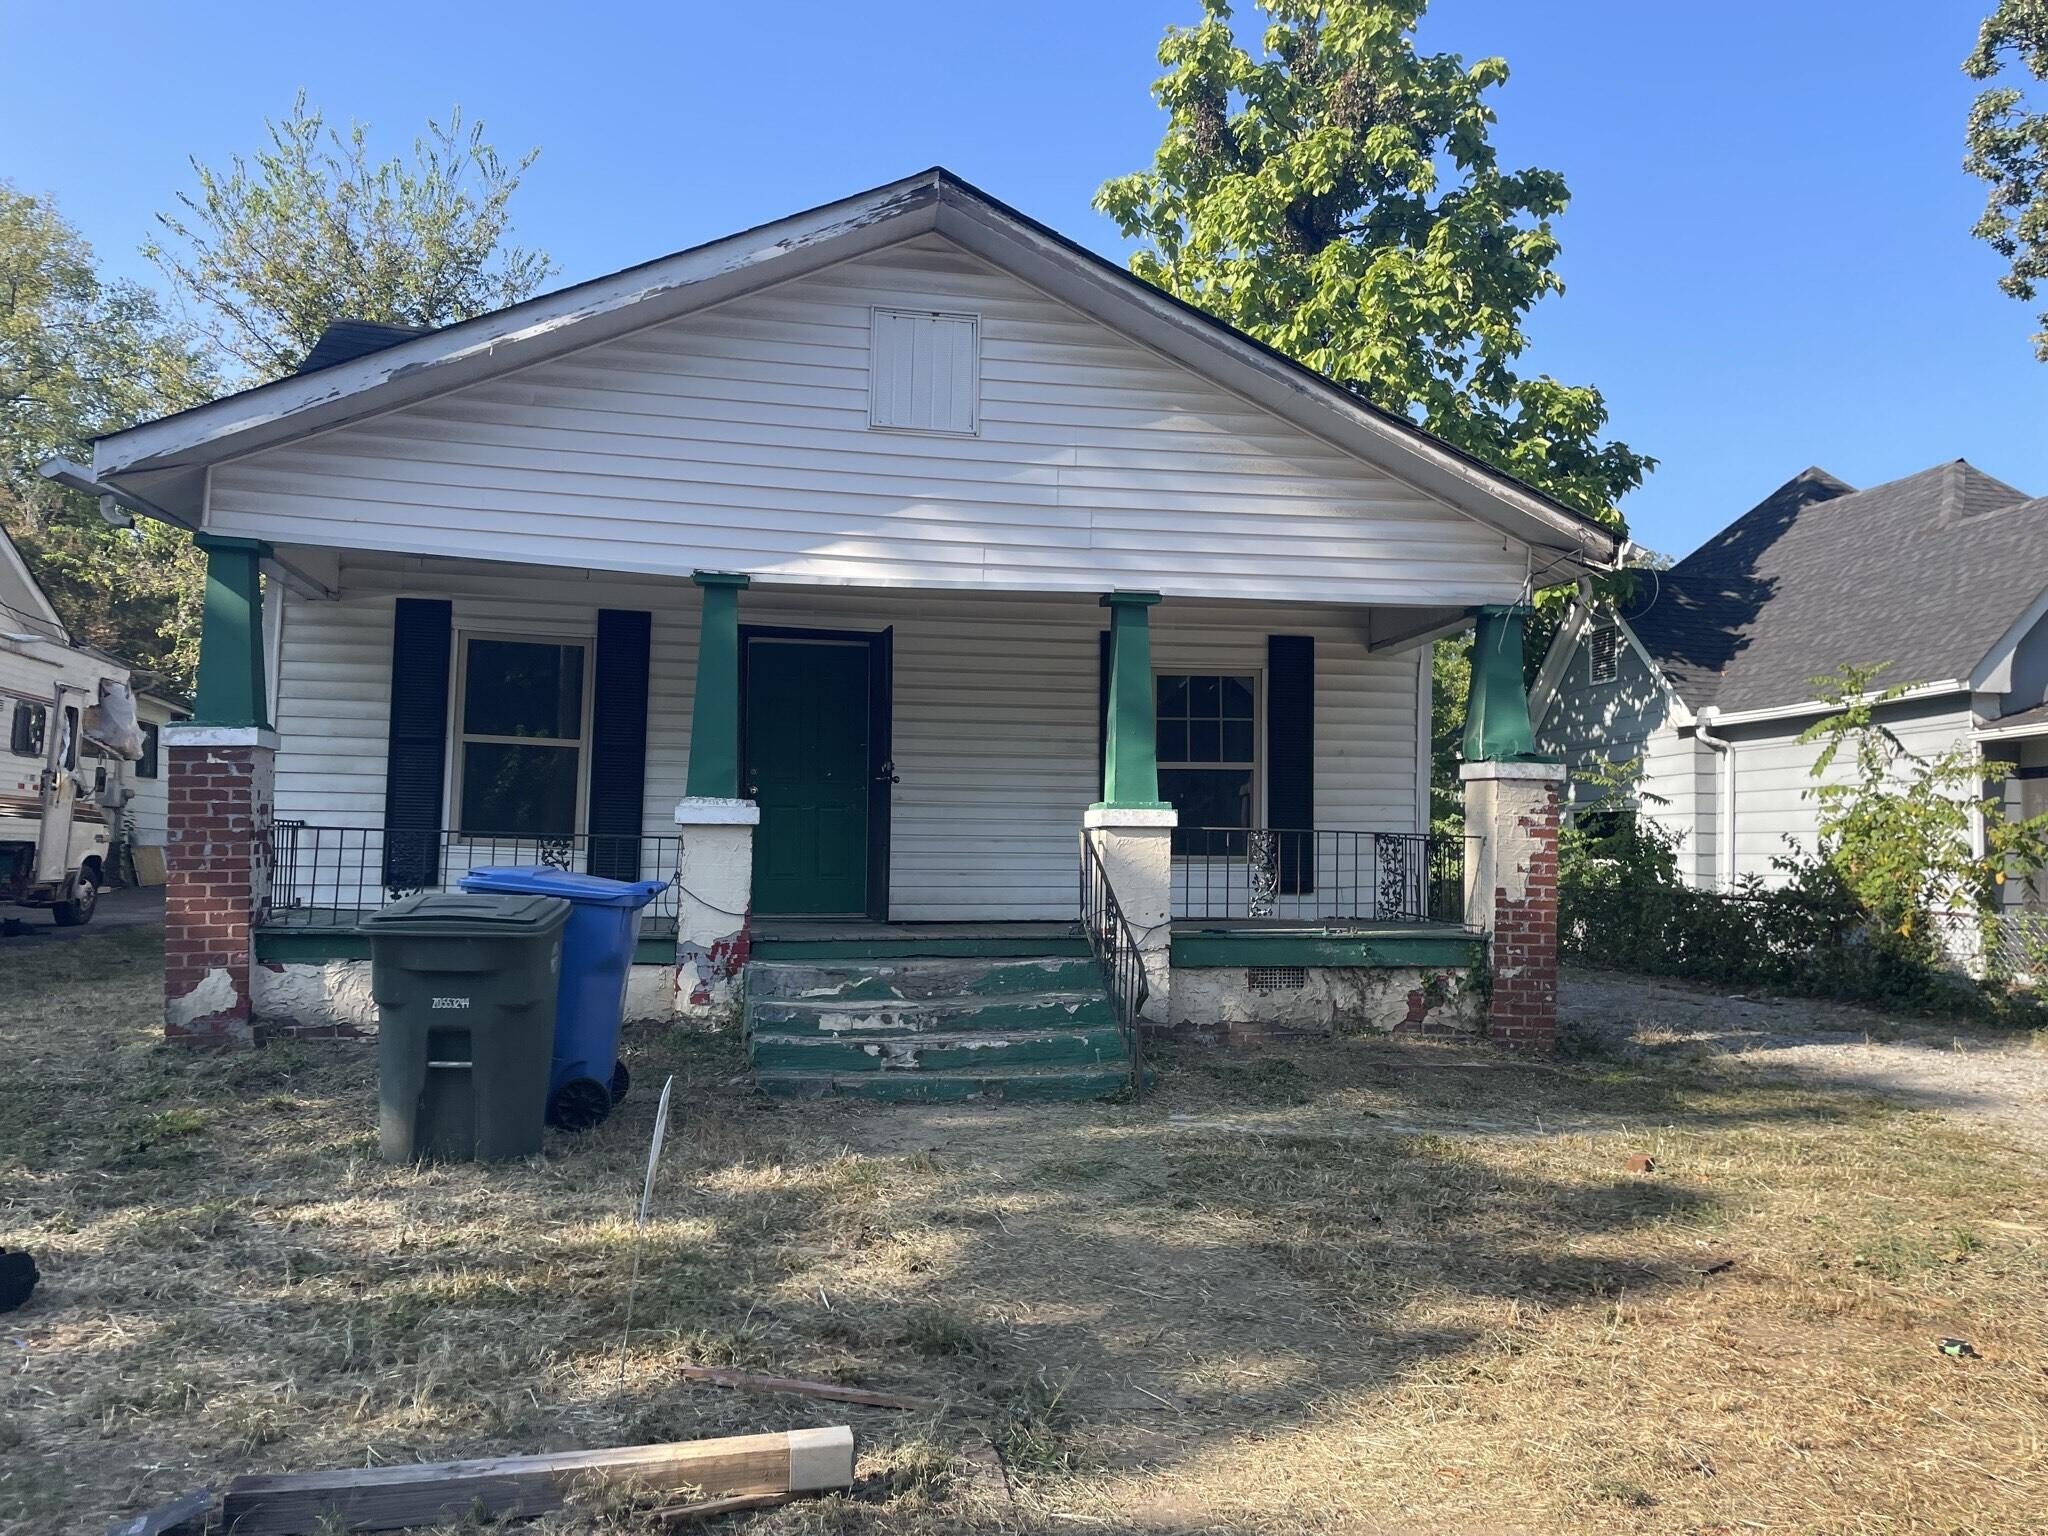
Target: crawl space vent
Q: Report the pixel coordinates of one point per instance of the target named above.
(1276, 978)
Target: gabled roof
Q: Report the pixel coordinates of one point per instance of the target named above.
(24, 607)
(164, 461)
(1926, 573)
(346, 340)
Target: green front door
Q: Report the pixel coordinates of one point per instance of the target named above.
(808, 769)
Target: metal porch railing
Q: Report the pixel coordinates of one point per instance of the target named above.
(1319, 874)
(1117, 956)
(333, 877)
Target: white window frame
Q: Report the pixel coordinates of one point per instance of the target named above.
(973, 322)
(1258, 762)
(1611, 635)
(459, 738)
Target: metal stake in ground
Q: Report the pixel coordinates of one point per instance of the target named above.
(640, 1219)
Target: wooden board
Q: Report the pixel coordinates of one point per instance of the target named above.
(149, 863)
(517, 1487)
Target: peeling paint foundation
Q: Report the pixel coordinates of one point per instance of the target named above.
(332, 999)
(1238, 1004)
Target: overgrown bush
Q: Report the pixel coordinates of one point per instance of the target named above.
(1862, 921)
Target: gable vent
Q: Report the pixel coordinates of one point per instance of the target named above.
(1604, 648)
(924, 372)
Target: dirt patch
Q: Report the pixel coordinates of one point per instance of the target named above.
(1994, 1078)
(1356, 1286)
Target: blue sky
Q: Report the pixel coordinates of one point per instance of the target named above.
(1767, 255)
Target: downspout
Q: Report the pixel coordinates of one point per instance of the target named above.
(1724, 852)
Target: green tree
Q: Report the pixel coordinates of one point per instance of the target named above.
(1895, 827)
(2008, 149)
(270, 252)
(1335, 195)
(80, 356)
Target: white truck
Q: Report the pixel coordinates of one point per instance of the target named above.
(59, 703)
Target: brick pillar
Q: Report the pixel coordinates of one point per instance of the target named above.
(1511, 894)
(217, 854)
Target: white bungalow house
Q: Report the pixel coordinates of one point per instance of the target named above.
(849, 568)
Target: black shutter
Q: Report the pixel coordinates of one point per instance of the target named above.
(618, 742)
(414, 772)
(1102, 714)
(1291, 757)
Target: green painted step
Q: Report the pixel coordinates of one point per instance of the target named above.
(837, 1019)
(951, 1087)
(886, 980)
(934, 1027)
(973, 1052)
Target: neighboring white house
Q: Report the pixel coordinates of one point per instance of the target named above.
(1707, 673)
(145, 815)
(852, 524)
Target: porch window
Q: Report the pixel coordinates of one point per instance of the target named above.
(1208, 754)
(152, 743)
(521, 730)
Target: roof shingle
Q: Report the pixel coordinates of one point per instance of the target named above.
(1924, 573)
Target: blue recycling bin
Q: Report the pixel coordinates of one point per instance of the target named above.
(597, 952)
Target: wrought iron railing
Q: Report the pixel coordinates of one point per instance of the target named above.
(332, 877)
(1117, 955)
(1278, 872)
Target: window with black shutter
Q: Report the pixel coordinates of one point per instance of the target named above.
(521, 728)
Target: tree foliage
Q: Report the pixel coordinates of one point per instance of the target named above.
(1896, 827)
(2008, 149)
(81, 356)
(1335, 194)
(270, 251)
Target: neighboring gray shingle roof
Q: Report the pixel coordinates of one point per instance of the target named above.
(1926, 573)
(344, 340)
(2029, 718)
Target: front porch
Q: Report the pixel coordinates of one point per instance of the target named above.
(869, 779)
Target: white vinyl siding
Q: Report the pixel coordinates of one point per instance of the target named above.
(147, 812)
(1774, 809)
(739, 439)
(1629, 716)
(995, 711)
(924, 372)
(1684, 781)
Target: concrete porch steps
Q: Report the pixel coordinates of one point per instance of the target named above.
(943, 1028)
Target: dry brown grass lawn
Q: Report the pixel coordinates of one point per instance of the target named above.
(1347, 1287)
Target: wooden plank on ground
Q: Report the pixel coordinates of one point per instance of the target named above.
(519, 1487)
(725, 1376)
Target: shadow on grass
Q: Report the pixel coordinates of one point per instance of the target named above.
(235, 1283)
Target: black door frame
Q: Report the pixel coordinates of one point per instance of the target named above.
(881, 653)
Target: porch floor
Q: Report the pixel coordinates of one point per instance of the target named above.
(319, 934)
(1350, 942)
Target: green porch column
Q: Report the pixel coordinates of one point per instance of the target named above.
(231, 690)
(1130, 737)
(1497, 726)
(715, 709)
